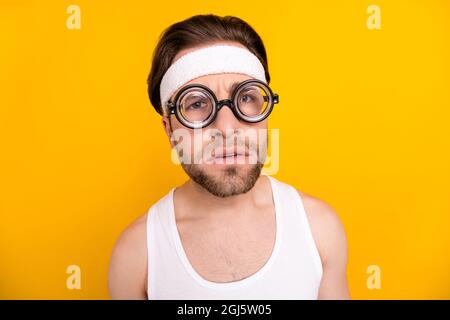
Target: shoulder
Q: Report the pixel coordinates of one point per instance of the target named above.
(132, 239)
(326, 227)
(127, 274)
(319, 210)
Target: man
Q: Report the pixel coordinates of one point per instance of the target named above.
(228, 232)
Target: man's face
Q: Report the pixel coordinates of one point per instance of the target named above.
(221, 172)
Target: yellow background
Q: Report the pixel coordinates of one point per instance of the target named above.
(363, 118)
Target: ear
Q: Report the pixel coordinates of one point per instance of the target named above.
(167, 128)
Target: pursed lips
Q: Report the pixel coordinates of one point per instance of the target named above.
(231, 153)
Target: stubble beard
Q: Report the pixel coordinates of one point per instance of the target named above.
(232, 180)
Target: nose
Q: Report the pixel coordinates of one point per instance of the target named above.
(225, 119)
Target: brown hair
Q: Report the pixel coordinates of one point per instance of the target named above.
(195, 31)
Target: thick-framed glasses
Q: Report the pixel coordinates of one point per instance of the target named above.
(196, 106)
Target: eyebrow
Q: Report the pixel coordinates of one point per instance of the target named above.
(233, 86)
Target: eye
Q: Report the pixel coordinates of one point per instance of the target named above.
(196, 105)
(246, 98)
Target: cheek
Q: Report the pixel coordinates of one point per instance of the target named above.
(175, 123)
(262, 124)
(258, 131)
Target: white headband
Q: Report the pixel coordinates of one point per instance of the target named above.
(209, 60)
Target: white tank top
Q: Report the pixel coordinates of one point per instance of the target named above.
(293, 271)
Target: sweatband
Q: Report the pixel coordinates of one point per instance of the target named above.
(209, 60)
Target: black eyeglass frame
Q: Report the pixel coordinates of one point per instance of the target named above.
(174, 108)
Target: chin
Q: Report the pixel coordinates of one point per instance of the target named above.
(226, 181)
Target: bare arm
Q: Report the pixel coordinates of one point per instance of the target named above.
(127, 275)
(329, 235)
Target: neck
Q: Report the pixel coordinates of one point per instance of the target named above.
(201, 202)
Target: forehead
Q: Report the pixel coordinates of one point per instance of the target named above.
(220, 80)
(218, 83)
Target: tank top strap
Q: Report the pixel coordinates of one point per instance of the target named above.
(297, 221)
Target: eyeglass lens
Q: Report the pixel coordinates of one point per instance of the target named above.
(197, 105)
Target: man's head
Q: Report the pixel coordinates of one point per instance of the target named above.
(234, 162)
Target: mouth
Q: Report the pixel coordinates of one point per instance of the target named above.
(230, 153)
(230, 156)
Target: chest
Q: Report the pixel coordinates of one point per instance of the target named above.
(231, 251)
